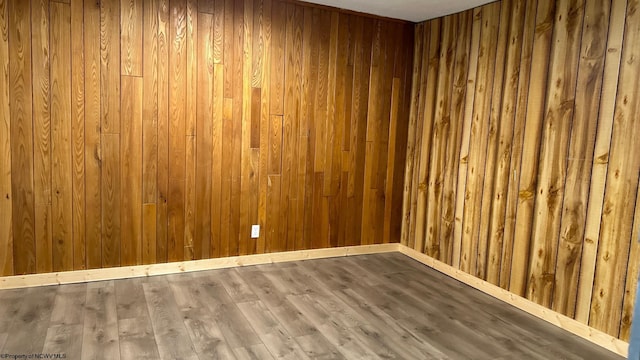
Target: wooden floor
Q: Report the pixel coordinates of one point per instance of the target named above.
(371, 306)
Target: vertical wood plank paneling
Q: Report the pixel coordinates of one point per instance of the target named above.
(217, 160)
(150, 96)
(530, 148)
(92, 145)
(502, 158)
(78, 134)
(131, 32)
(262, 25)
(177, 43)
(204, 136)
(20, 105)
(621, 187)
(471, 249)
(456, 121)
(167, 127)
(150, 130)
(110, 66)
(526, 59)
(476, 27)
(409, 183)
(492, 141)
(162, 210)
(237, 123)
(441, 128)
(190, 128)
(631, 281)
(110, 200)
(41, 75)
(430, 84)
(547, 188)
(580, 155)
(61, 147)
(246, 244)
(600, 159)
(131, 170)
(6, 195)
(559, 111)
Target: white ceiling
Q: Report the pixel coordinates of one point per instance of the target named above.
(412, 10)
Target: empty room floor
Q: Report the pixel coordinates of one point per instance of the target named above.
(367, 306)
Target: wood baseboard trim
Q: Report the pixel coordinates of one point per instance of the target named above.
(573, 326)
(79, 276)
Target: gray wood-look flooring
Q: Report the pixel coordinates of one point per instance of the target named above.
(362, 307)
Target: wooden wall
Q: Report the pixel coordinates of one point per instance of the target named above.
(136, 132)
(523, 153)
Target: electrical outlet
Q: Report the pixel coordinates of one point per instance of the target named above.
(255, 231)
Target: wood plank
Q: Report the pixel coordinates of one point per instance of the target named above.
(100, 332)
(170, 333)
(441, 128)
(291, 125)
(131, 170)
(237, 122)
(332, 125)
(78, 135)
(109, 69)
(419, 113)
(307, 124)
(526, 58)
(131, 35)
(177, 131)
(563, 73)
(452, 159)
(257, 44)
(321, 106)
(595, 205)
(111, 197)
(471, 249)
(531, 145)
(277, 49)
(430, 83)
(204, 137)
(225, 203)
(360, 101)
(217, 160)
(192, 65)
(246, 245)
(476, 28)
(227, 46)
(262, 14)
(484, 246)
(580, 156)
(6, 195)
(507, 110)
(162, 210)
(149, 224)
(275, 145)
(631, 281)
(20, 93)
(150, 109)
(621, 187)
(272, 228)
(218, 37)
(190, 199)
(134, 339)
(61, 147)
(92, 144)
(42, 134)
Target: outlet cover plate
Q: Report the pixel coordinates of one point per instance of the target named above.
(255, 231)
